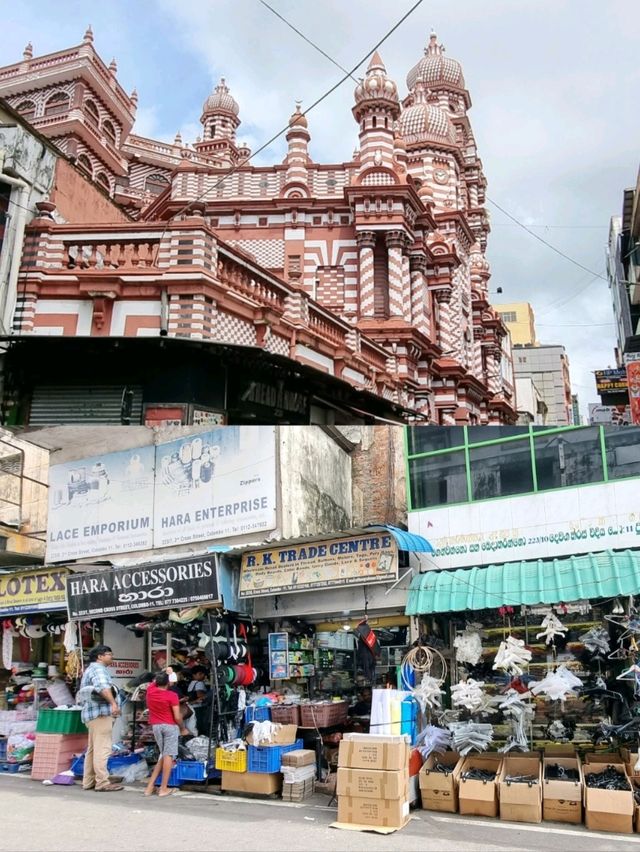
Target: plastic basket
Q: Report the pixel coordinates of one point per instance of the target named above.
(323, 715)
(268, 758)
(286, 714)
(60, 722)
(231, 761)
(257, 714)
(188, 771)
(118, 761)
(3, 749)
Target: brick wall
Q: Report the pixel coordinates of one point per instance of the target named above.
(378, 472)
(79, 200)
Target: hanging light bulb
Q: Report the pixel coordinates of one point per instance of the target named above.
(618, 609)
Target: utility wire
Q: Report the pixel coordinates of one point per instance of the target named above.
(538, 237)
(308, 40)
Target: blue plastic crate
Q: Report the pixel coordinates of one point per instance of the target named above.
(269, 758)
(114, 764)
(3, 748)
(257, 714)
(188, 772)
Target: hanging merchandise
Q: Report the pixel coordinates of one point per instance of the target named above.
(520, 714)
(512, 656)
(557, 685)
(470, 736)
(596, 641)
(429, 694)
(433, 739)
(468, 645)
(470, 695)
(551, 627)
(368, 651)
(7, 644)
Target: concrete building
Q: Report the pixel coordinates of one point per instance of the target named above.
(371, 270)
(23, 501)
(531, 405)
(521, 322)
(548, 368)
(623, 266)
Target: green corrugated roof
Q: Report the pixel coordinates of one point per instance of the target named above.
(596, 575)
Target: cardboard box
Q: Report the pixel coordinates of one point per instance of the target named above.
(560, 750)
(372, 751)
(282, 735)
(299, 757)
(477, 797)
(562, 800)
(603, 757)
(520, 802)
(608, 810)
(373, 783)
(439, 790)
(390, 813)
(251, 782)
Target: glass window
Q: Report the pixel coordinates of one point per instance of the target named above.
(428, 439)
(501, 469)
(570, 457)
(438, 480)
(623, 451)
(480, 434)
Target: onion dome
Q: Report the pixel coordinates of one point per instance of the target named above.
(220, 100)
(424, 122)
(298, 119)
(376, 86)
(436, 69)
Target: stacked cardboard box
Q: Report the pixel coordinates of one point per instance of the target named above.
(299, 774)
(607, 810)
(373, 780)
(439, 790)
(562, 800)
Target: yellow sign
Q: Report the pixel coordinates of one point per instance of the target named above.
(32, 591)
(319, 565)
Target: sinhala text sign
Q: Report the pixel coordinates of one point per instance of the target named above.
(319, 565)
(181, 583)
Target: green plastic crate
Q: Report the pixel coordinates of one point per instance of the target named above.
(60, 722)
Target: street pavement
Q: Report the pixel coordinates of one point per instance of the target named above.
(35, 817)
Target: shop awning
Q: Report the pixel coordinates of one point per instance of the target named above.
(405, 540)
(548, 581)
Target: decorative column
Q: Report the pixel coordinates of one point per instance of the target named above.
(445, 340)
(395, 244)
(419, 296)
(366, 241)
(406, 286)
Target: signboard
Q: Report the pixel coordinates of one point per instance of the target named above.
(128, 650)
(162, 585)
(319, 565)
(609, 415)
(611, 381)
(215, 484)
(32, 591)
(564, 522)
(102, 504)
(633, 378)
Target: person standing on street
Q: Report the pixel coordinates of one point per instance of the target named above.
(166, 722)
(99, 709)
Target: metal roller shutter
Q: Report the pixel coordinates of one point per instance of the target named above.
(55, 404)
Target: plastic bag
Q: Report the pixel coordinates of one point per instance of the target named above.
(134, 772)
(20, 748)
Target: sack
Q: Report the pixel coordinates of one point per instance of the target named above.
(134, 772)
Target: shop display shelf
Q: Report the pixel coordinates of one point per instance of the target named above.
(257, 714)
(269, 758)
(231, 761)
(286, 714)
(60, 722)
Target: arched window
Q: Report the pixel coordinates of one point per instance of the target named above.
(103, 181)
(92, 113)
(27, 109)
(85, 164)
(57, 104)
(374, 121)
(109, 131)
(156, 184)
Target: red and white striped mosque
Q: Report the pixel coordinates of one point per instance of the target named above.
(372, 270)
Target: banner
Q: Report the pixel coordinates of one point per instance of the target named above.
(212, 485)
(611, 381)
(319, 565)
(101, 505)
(633, 378)
(215, 484)
(161, 585)
(33, 591)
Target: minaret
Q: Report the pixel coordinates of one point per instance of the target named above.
(219, 121)
(376, 110)
(298, 153)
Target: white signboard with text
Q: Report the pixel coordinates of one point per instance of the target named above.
(533, 526)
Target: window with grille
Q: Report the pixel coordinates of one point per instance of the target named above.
(57, 104)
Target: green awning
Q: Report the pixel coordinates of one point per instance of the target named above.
(596, 575)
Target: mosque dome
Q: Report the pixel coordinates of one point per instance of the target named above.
(220, 100)
(436, 69)
(298, 119)
(376, 86)
(424, 122)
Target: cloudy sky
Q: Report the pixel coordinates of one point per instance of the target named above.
(554, 85)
